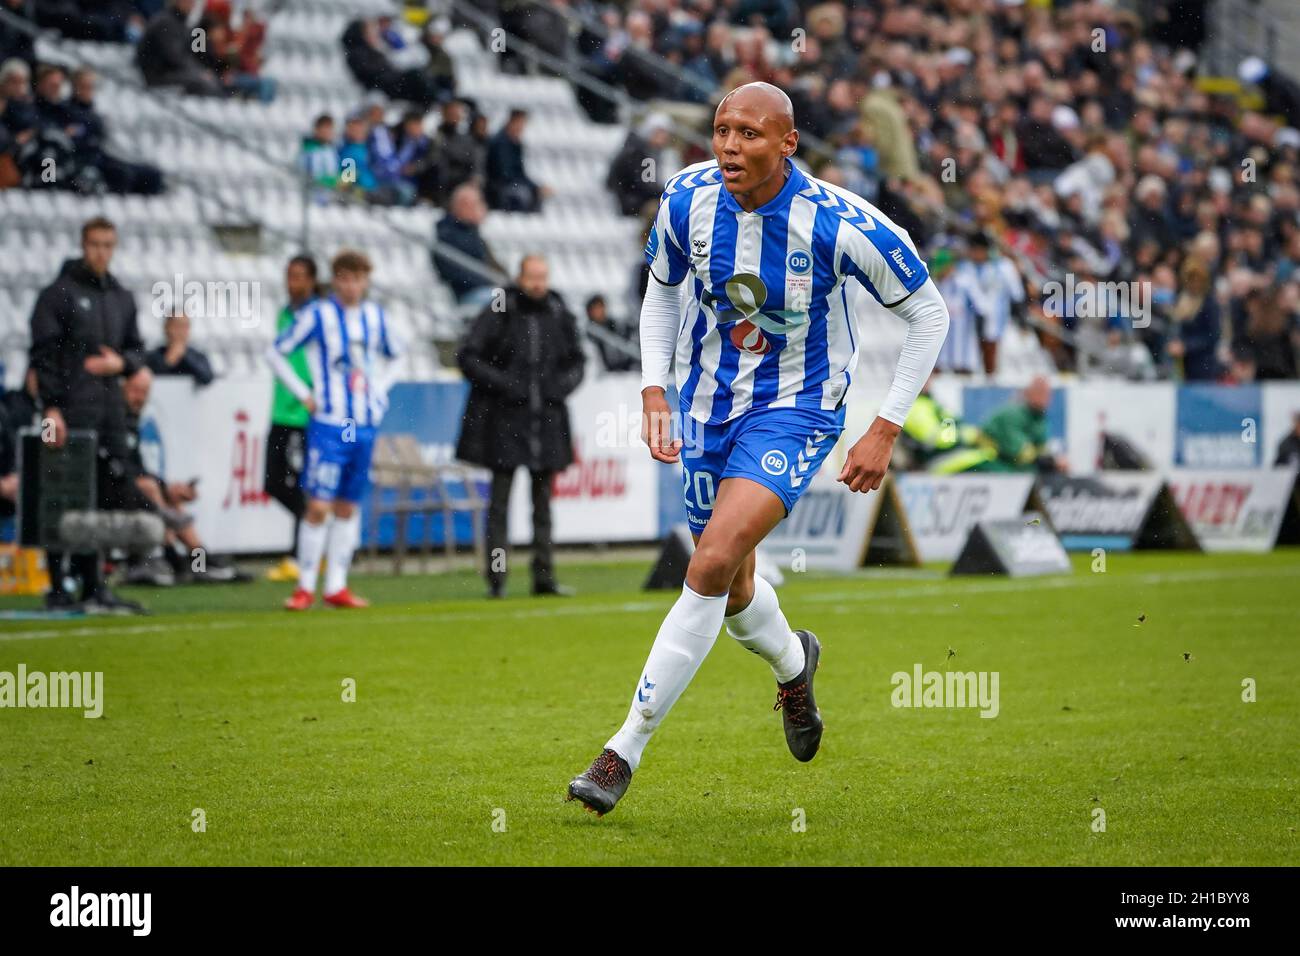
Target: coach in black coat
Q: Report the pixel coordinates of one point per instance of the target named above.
(85, 341)
(522, 361)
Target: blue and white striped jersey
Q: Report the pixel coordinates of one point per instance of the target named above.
(765, 315)
(349, 352)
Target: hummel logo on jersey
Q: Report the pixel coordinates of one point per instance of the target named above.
(699, 245)
(805, 458)
(897, 255)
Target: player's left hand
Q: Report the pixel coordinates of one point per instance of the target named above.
(868, 459)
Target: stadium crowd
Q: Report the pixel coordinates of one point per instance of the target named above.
(1073, 141)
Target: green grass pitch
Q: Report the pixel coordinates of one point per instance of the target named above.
(471, 716)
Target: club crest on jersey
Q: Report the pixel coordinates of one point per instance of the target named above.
(774, 462)
(799, 261)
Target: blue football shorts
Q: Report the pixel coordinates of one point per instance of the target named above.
(781, 448)
(338, 461)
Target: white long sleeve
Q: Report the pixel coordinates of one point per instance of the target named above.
(285, 373)
(927, 326)
(661, 316)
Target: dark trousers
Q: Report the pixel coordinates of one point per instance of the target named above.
(286, 454)
(498, 541)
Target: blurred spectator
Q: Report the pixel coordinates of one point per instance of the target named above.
(612, 357)
(400, 157)
(967, 311)
(113, 21)
(1018, 431)
(935, 439)
(232, 57)
(640, 169)
(177, 356)
(89, 135)
(508, 186)
(1004, 293)
(440, 69)
(18, 114)
(183, 555)
(522, 363)
(1270, 333)
(459, 228)
(320, 154)
(533, 22)
(1194, 343)
(165, 54)
(461, 151)
(355, 174)
(367, 56)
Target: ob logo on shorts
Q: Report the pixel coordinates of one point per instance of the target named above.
(774, 462)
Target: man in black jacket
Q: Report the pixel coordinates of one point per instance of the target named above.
(165, 54)
(84, 340)
(509, 186)
(522, 363)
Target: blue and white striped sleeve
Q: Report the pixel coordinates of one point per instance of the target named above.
(665, 248)
(304, 328)
(883, 260)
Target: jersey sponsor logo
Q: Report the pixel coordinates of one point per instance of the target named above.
(774, 462)
(747, 337)
(799, 261)
(897, 255)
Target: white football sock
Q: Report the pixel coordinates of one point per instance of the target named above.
(342, 542)
(761, 627)
(311, 545)
(684, 640)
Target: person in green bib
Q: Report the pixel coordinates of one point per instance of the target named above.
(1019, 433)
(287, 442)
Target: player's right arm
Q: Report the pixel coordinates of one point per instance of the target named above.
(305, 327)
(661, 315)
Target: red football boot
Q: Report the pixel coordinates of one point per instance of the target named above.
(301, 600)
(346, 599)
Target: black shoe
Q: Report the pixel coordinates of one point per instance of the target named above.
(602, 784)
(553, 590)
(803, 722)
(62, 601)
(105, 601)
